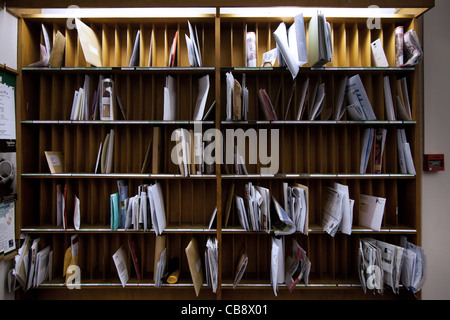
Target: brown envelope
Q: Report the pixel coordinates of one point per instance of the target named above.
(195, 265)
(57, 54)
(55, 161)
(89, 43)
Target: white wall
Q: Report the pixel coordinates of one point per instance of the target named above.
(8, 39)
(436, 186)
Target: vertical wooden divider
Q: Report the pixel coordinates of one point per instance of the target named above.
(389, 42)
(70, 49)
(105, 41)
(117, 46)
(219, 151)
(341, 42)
(354, 46)
(130, 42)
(365, 50)
(142, 46)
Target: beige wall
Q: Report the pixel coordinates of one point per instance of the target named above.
(436, 186)
(8, 39)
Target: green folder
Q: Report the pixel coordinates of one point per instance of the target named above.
(115, 215)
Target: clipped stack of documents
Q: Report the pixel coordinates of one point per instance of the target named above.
(384, 264)
(337, 212)
(212, 263)
(36, 264)
(296, 205)
(414, 269)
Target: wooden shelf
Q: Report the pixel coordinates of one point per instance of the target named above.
(315, 153)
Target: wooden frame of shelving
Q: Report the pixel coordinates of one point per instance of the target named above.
(327, 154)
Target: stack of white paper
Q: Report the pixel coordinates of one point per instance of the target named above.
(32, 266)
(366, 148)
(414, 267)
(339, 100)
(317, 101)
(264, 209)
(378, 54)
(332, 210)
(291, 45)
(193, 47)
(296, 205)
(146, 209)
(170, 99)
(281, 223)
(320, 50)
(404, 153)
(371, 211)
(369, 266)
(134, 60)
(80, 103)
(119, 258)
(212, 263)
(277, 270)
(389, 105)
(203, 89)
(359, 107)
(158, 212)
(337, 213)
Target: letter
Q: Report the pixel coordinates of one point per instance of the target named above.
(74, 277)
(211, 149)
(184, 310)
(370, 21)
(226, 309)
(240, 135)
(211, 311)
(274, 151)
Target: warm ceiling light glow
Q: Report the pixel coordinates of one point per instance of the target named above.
(372, 11)
(369, 12)
(74, 11)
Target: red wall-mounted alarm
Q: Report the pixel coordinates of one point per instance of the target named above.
(433, 162)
